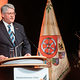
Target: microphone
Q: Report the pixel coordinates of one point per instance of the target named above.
(17, 47)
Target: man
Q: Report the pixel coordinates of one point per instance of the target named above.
(13, 41)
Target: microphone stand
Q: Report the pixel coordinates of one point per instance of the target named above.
(34, 46)
(77, 35)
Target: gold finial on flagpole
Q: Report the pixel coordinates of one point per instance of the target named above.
(48, 1)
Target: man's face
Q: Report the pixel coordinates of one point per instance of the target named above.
(9, 16)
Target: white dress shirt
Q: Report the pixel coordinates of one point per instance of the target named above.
(12, 27)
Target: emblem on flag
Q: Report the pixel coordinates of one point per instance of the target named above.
(60, 44)
(61, 55)
(55, 61)
(48, 62)
(48, 46)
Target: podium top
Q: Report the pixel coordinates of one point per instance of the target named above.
(23, 61)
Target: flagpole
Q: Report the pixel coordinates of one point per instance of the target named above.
(49, 59)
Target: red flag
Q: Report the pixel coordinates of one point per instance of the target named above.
(2, 2)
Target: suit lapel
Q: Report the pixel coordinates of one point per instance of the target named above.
(16, 34)
(5, 32)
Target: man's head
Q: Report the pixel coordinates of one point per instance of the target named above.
(8, 13)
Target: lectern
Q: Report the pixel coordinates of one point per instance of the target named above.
(27, 68)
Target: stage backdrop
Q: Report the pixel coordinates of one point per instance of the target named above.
(51, 45)
(2, 2)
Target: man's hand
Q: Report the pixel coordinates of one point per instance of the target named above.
(28, 54)
(2, 57)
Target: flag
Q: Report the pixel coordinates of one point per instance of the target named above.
(2, 2)
(51, 45)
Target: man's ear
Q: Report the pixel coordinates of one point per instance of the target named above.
(2, 15)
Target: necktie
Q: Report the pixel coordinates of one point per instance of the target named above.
(11, 34)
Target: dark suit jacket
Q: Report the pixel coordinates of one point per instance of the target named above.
(6, 44)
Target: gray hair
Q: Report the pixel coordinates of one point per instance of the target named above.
(5, 7)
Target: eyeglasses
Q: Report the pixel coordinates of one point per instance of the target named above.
(11, 13)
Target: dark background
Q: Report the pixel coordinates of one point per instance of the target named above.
(30, 14)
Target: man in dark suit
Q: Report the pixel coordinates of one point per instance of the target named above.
(13, 41)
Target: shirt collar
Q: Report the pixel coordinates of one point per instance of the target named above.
(7, 23)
